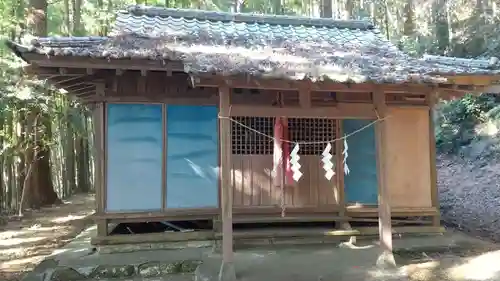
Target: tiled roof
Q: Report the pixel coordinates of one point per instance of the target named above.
(270, 46)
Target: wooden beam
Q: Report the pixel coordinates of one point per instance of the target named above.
(305, 97)
(85, 94)
(340, 111)
(141, 85)
(384, 209)
(169, 214)
(104, 63)
(478, 80)
(113, 97)
(318, 232)
(78, 87)
(40, 71)
(83, 89)
(227, 271)
(153, 237)
(330, 86)
(282, 84)
(73, 84)
(494, 89)
(64, 80)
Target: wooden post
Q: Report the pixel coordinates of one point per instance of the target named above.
(227, 271)
(164, 158)
(339, 168)
(436, 219)
(340, 186)
(386, 259)
(305, 97)
(100, 183)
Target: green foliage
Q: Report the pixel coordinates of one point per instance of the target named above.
(457, 120)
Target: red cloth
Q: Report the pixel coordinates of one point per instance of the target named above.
(286, 152)
(281, 152)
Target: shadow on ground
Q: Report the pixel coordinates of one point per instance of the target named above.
(26, 242)
(452, 256)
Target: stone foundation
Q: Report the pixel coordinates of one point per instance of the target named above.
(124, 272)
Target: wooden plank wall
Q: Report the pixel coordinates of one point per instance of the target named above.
(253, 184)
(407, 157)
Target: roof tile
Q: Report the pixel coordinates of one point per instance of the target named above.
(271, 46)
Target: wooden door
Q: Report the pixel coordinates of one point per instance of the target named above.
(252, 162)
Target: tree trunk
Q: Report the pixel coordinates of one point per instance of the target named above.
(82, 158)
(78, 28)
(37, 17)
(30, 156)
(21, 166)
(67, 20)
(277, 8)
(47, 195)
(442, 29)
(349, 9)
(3, 188)
(326, 10)
(102, 24)
(18, 16)
(38, 188)
(409, 17)
(105, 28)
(386, 20)
(9, 164)
(238, 6)
(69, 157)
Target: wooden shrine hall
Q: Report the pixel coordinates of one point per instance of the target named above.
(209, 121)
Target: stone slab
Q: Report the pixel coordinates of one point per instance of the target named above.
(290, 259)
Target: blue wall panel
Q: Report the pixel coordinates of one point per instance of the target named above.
(134, 159)
(361, 185)
(192, 156)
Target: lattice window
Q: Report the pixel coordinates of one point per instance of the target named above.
(246, 141)
(311, 130)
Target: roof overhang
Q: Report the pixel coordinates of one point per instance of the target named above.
(79, 75)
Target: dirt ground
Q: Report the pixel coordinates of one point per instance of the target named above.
(469, 194)
(24, 243)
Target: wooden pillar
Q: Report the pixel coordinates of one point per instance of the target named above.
(384, 210)
(340, 186)
(436, 219)
(339, 168)
(227, 271)
(99, 175)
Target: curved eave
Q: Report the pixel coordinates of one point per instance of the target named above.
(18, 49)
(77, 83)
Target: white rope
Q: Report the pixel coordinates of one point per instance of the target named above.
(309, 142)
(328, 142)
